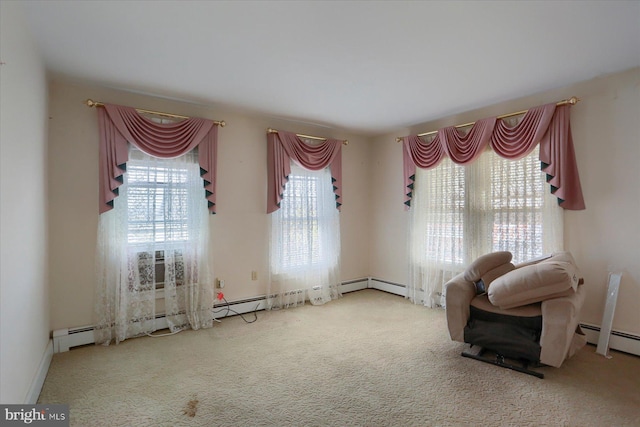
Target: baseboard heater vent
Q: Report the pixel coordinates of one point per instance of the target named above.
(354, 285)
(64, 339)
(386, 286)
(621, 341)
(67, 338)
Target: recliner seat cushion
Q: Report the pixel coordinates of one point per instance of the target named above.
(534, 283)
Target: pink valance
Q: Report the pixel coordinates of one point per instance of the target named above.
(122, 125)
(547, 124)
(559, 161)
(286, 146)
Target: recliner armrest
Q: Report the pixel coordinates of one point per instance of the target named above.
(560, 319)
(458, 295)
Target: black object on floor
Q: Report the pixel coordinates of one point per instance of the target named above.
(478, 353)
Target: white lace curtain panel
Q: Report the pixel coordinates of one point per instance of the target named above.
(461, 212)
(305, 242)
(160, 211)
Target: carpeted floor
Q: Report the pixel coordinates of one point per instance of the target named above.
(367, 359)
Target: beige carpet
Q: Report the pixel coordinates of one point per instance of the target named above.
(368, 359)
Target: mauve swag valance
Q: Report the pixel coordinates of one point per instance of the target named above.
(546, 124)
(121, 125)
(282, 147)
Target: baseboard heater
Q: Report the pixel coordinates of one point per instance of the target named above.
(67, 338)
(621, 341)
(386, 286)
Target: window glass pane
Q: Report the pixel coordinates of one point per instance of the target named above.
(304, 222)
(517, 203)
(300, 222)
(493, 204)
(157, 199)
(444, 226)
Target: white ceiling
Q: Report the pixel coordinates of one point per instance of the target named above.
(368, 67)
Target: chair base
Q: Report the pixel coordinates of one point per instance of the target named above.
(478, 353)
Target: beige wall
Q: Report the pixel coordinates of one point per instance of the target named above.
(24, 288)
(374, 224)
(240, 227)
(606, 133)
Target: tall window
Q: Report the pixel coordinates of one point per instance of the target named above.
(305, 241)
(155, 238)
(158, 211)
(300, 231)
(461, 212)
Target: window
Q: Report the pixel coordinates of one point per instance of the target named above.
(446, 185)
(305, 222)
(305, 240)
(158, 209)
(158, 215)
(462, 212)
(152, 257)
(157, 200)
(300, 231)
(519, 196)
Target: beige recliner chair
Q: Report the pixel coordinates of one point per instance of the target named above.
(527, 313)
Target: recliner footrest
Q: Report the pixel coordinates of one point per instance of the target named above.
(499, 360)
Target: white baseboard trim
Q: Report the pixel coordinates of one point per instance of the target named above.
(38, 381)
(621, 341)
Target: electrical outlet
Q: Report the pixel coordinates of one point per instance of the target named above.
(220, 283)
(254, 275)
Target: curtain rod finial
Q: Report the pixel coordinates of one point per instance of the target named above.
(90, 103)
(222, 123)
(574, 100)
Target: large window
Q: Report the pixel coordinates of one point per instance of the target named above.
(461, 212)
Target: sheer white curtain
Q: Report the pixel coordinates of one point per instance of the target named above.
(305, 242)
(154, 243)
(436, 231)
(461, 212)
